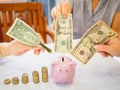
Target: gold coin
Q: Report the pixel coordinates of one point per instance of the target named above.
(44, 69)
(7, 81)
(35, 73)
(44, 76)
(44, 80)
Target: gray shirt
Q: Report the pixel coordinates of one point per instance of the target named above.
(83, 17)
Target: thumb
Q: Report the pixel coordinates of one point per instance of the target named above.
(100, 48)
(53, 13)
(59, 8)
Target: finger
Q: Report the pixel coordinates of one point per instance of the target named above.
(42, 49)
(54, 13)
(37, 52)
(65, 14)
(20, 53)
(59, 9)
(102, 48)
(104, 54)
(66, 9)
(42, 40)
(53, 24)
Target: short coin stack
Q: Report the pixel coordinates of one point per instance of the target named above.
(7, 81)
(15, 80)
(25, 78)
(44, 74)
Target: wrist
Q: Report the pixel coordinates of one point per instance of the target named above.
(4, 49)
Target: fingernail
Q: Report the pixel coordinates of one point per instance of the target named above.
(64, 16)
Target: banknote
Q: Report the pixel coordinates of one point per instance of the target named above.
(25, 34)
(97, 34)
(64, 33)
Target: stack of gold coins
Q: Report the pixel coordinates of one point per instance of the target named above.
(35, 77)
(25, 78)
(7, 81)
(44, 74)
(15, 80)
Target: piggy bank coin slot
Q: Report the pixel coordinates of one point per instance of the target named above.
(62, 59)
(60, 70)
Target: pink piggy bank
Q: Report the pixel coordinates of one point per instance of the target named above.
(63, 70)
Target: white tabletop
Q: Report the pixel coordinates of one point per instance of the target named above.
(98, 74)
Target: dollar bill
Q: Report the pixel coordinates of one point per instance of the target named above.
(97, 34)
(64, 33)
(25, 34)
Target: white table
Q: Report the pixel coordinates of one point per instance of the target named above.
(98, 74)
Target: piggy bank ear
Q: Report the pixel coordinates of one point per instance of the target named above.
(72, 64)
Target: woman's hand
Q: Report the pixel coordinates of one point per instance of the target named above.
(64, 9)
(18, 48)
(111, 48)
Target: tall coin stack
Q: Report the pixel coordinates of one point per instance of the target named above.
(35, 75)
(44, 74)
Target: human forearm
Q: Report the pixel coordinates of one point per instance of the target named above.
(17, 48)
(4, 50)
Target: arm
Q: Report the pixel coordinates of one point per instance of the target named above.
(111, 48)
(63, 8)
(17, 48)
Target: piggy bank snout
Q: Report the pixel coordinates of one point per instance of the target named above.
(63, 76)
(63, 79)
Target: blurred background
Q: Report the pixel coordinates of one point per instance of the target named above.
(47, 6)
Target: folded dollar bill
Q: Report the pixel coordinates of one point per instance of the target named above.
(97, 34)
(25, 34)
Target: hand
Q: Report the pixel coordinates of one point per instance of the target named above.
(64, 9)
(18, 48)
(111, 48)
